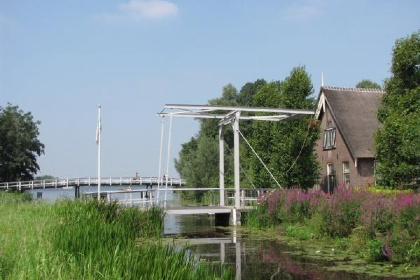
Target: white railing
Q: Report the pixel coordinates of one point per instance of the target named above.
(248, 197)
(147, 197)
(90, 181)
(136, 197)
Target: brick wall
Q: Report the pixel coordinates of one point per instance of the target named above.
(362, 175)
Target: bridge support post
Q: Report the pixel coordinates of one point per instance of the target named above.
(236, 158)
(221, 166)
(235, 217)
(76, 191)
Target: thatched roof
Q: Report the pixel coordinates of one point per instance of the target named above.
(355, 113)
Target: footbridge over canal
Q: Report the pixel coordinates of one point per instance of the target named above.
(91, 181)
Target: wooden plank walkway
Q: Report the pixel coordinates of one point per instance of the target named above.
(197, 210)
(191, 210)
(89, 181)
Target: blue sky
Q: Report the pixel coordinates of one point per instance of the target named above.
(60, 59)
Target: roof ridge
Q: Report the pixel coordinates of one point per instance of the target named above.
(353, 89)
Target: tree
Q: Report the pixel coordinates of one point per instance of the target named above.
(45, 177)
(398, 142)
(368, 84)
(198, 161)
(286, 147)
(19, 144)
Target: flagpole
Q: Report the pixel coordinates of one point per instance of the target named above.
(98, 141)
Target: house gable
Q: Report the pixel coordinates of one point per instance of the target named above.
(352, 113)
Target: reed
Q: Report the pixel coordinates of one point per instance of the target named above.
(90, 240)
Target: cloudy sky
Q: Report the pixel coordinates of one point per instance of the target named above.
(60, 59)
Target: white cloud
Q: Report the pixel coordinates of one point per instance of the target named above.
(137, 10)
(305, 10)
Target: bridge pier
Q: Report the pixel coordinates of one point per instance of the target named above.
(77, 191)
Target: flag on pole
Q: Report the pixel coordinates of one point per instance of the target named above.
(99, 126)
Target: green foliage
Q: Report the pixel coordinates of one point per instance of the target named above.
(14, 198)
(19, 144)
(45, 177)
(198, 161)
(258, 217)
(90, 240)
(299, 232)
(285, 147)
(340, 215)
(373, 250)
(397, 142)
(368, 84)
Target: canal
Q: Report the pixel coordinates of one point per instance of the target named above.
(252, 256)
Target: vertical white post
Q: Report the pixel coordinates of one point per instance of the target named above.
(221, 166)
(168, 157)
(236, 159)
(98, 141)
(160, 160)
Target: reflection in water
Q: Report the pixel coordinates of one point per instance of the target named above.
(251, 258)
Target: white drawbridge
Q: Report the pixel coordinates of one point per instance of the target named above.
(227, 115)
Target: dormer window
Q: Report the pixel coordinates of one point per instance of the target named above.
(329, 136)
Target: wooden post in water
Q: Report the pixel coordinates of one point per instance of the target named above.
(76, 191)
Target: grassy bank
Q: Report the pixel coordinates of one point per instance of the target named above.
(376, 225)
(89, 240)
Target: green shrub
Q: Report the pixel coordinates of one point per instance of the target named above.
(299, 232)
(374, 250)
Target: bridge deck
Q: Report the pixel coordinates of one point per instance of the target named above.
(191, 210)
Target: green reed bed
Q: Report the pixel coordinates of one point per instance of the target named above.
(89, 240)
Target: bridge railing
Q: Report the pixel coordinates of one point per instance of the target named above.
(211, 196)
(148, 197)
(90, 181)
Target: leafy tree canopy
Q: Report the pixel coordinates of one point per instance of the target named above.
(285, 147)
(45, 177)
(368, 84)
(19, 144)
(398, 142)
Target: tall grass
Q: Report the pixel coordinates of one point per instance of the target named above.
(90, 240)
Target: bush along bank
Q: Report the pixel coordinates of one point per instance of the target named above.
(379, 226)
(90, 240)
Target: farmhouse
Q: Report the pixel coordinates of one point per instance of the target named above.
(345, 149)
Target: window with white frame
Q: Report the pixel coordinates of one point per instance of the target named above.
(346, 173)
(329, 137)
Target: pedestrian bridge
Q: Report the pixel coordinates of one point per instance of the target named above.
(91, 181)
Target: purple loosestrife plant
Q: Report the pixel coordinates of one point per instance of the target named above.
(377, 214)
(340, 215)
